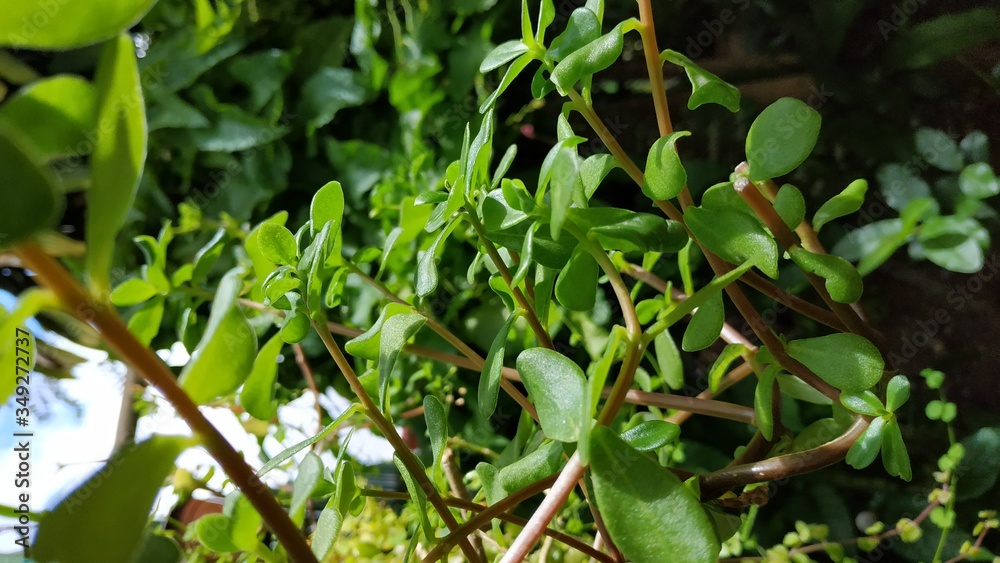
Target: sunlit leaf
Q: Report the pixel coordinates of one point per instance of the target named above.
(781, 138)
(557, 386)
(846, 361)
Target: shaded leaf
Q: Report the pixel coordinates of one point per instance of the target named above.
(257, 396)
(650, 435)
(557, 386)
(706, 87)
(844, 203)
(665, 176)
(489, 381)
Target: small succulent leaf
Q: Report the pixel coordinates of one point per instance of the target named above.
(650, 435)
(781, 138)
(665, 176)
(706, 87)
(846, 202)
(705, 325)
(842, 280)
(847, 361)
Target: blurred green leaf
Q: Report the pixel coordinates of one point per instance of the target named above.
(395, 332)
(503, 54)
(936, 39)
(118, 156)
(52, 117)
(225, 355)
(132, 292)
(37, 24)
(938, 149)
(979, 181)
(123, 492)
(257, 396)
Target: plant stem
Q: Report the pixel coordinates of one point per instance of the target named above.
(536, 326)
(451, 338)
(553, 502)
(146, 363)
(570, 541)
(487, 514)
(307, 373)
(412, 464)
(717, 409)
(715, 483)
(654, 68)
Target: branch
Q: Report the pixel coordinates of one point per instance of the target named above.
(146, 363)
(412, 464)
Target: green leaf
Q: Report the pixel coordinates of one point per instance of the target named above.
(979, 181)
(763, 401)
(665, 176)
(257, 396)
(668, 360)
(323, 95)
(865, 450)
(863, 402)
(897, 392)
(505, 162)
(894, 456)
(565, 177)
(475, 172)
(781, 138)
(650, 435)
(938, 149)
(735, 237)
(593, 57)
(132, 292)
(119, 153)
(416, 495)
(954, 243)
(628, 231)
(37, 24)
(427, 274)
(899, 184)
(31, 200)
(213, 532)
(583, 28)
(975, 146)
(489, 381)
(647, 510)
(844, 203)
(368, 344)
(593, 170)
(557, 386)
(843, 282)
(513, 70)
(790, 206)
(327, 205)
(546, 15)
(77, 530)
(53, 117)
(277, 244)
(437, 426)
(938, 38)
(244, 521)
(706, 325)
(145, 323)
(978, 469)
(310, 473)
(873, 243)
(206, 256)
(846, 361)
(225, 355)
(576, 286)
(287, 454)
(503, 54)
(542, 462)
(706, 87)
(722, 363)
(327, 531)
(395, 332)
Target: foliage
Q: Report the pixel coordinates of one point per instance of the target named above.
(342, 181)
